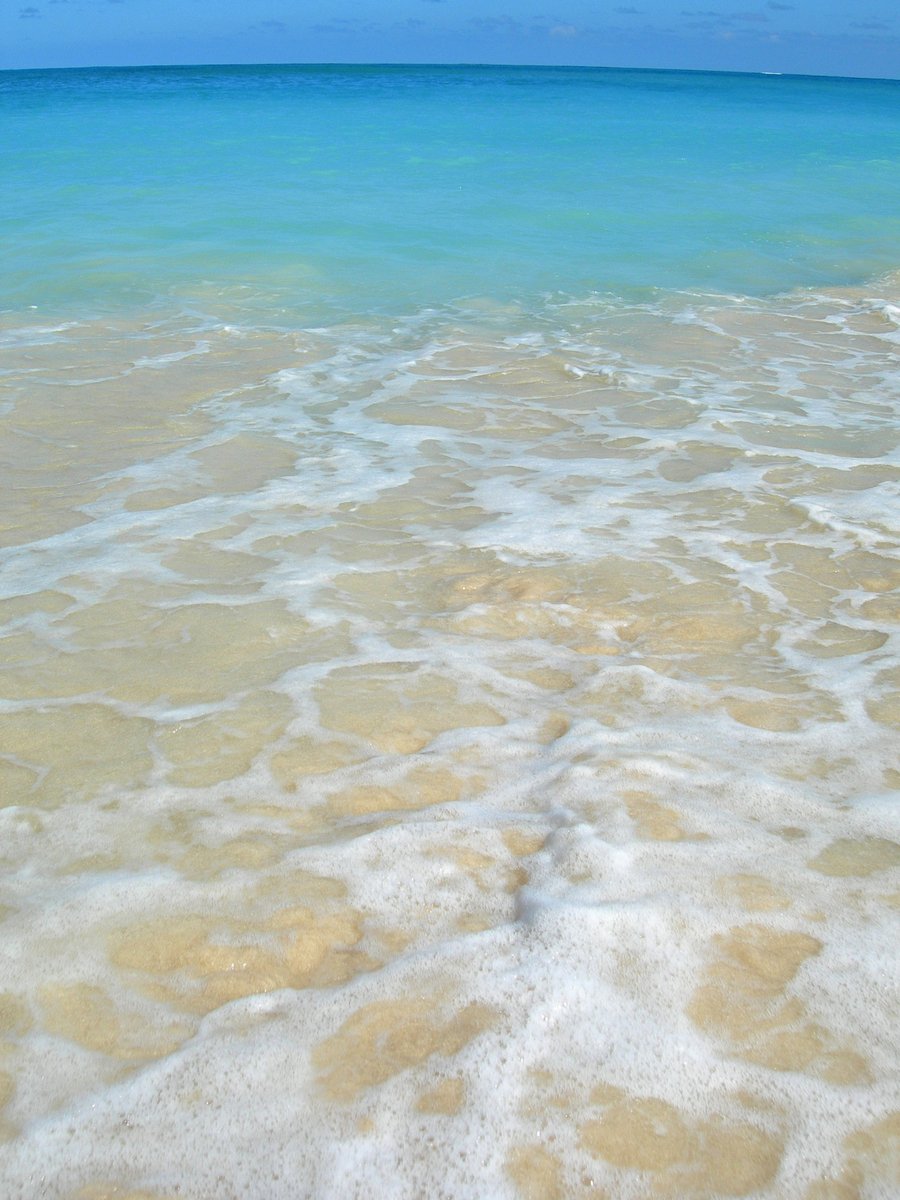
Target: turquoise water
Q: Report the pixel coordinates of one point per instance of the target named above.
(449, 635)
(358, 188)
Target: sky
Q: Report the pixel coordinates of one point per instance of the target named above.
(814, 37)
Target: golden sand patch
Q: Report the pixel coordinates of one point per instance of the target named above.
(421, 787)
(832, 1189)
(743, 1000)
(304, 937)
(8, 1129)
(556, 726)
(871, 1164)
(86, 1014)
(856, 857)
(536, 1173)
(884, 608)
(311, 756)
(475, 922)
(252, 852)
(15, 1016)
(198, 561)
(442, 416)
(198, 963)
(663, 412)
(875, 1151)
(695, 460)
(504, 585)
(653, 821)
(523, 842)
(753, 893)
(548, 678)
(93, 864)
(806, 595)
(205, 652)
(224, 745)
(682, 1157)
(724, 628)
(784, 713)
(885, 706)
(625, 695)
(445, 1099)
(17, 783)
(396, 708)
(34, 602)
(297, 886)
(244, 462)
(387, 1037)
(874, 572)
(128, 649)
(833, 640)
(72, 752)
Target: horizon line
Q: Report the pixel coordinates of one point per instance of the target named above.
(457, 65)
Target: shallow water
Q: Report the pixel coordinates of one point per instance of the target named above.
(452, 753)
(314, 193)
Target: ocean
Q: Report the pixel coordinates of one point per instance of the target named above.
(449, 680)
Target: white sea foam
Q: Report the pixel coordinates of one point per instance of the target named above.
(454, 758)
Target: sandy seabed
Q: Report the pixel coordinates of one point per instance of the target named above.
(454, 757)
